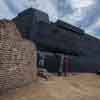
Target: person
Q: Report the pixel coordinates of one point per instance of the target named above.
(41, 61)
(66, 65)
(60, 70)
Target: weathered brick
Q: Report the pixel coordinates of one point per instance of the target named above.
(17, 58)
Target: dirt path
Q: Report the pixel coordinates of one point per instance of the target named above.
(78, 87)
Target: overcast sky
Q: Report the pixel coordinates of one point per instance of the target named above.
(83, 13)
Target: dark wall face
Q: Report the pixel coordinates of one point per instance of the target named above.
(74, 64)
(24, 24)
(70, 27)
(84, 64)
(51, 62)
(90, 46)
(41, 16)
(35, 26)
(60, 38)
(57, 38)
(27, 21)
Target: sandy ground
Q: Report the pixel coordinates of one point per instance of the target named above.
(73, 87)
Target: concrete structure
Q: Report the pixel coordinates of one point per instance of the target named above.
(60, 37)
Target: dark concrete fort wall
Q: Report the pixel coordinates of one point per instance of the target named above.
(59, 37)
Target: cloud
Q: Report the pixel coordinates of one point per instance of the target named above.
(14, 6)
(81, 9)
(94, 28)
(62, 7)
(84, 13)
(81, 3)
(91, 14)
(4, 11)
(43, 5)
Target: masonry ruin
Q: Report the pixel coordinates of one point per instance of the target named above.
(17, 58)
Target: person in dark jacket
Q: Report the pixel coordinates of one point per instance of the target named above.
(66, 65)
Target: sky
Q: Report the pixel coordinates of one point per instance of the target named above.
(81, 13)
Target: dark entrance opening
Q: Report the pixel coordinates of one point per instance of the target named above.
(52, 63)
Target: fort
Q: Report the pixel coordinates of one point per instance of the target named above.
(60, 38)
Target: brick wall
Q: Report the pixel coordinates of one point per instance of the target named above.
(17, 58)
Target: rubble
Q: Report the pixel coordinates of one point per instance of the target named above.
(42, 72)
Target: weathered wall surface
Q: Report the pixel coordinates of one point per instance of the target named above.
(84, 64)
(61, 37)
(17, 58)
